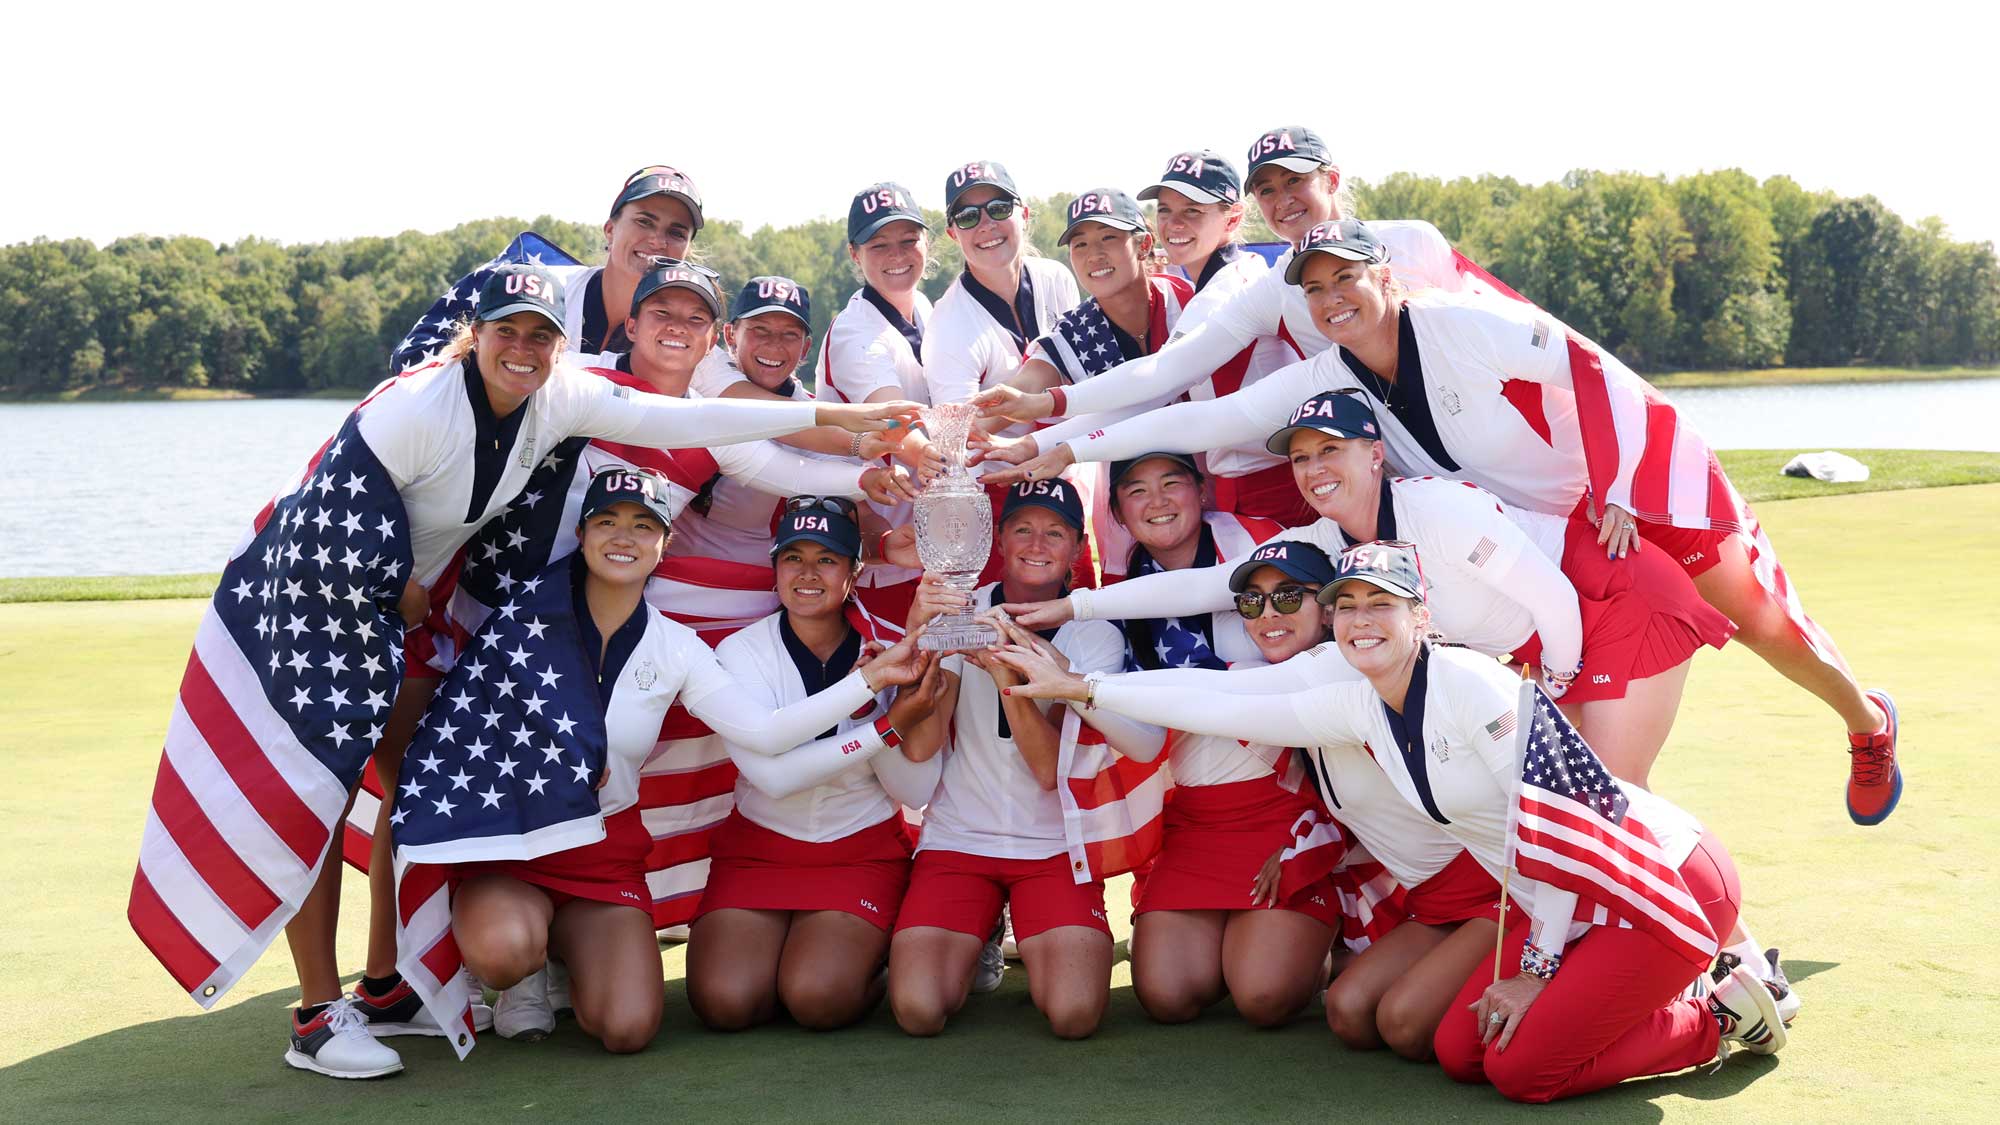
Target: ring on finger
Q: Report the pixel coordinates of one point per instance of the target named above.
(1496, 1018)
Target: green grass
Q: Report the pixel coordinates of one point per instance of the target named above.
(1768, 376)
(112, 588)
(1888, 931)
(1756, 474)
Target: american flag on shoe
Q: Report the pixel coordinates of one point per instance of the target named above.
(296, 663)
(1643, 457)
(434, 329)
(1572, 828)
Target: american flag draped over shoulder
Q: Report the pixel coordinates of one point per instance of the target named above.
(296, 662)
(1572, 828)
(1084, 343)
(434, 329)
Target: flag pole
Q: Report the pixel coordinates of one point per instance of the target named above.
(1506, 873)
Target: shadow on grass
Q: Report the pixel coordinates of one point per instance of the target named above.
(996, 1062)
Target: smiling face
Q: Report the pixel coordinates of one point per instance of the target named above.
(990, 246)
(1375, 629)
(1349, 301)
(813, 580)
(622, 544)
(892, 260)
(1294, 202)
(1037, 548)
(1159, 502)
(768, 346)
(671, 334)
(1191, 232)
(658, 226)
(1107, 259)
(516, 356)
(1281, 636)
(1341, 478)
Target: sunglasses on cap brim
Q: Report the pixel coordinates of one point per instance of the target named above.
(838, 504)
(662, 262)
(999, 210)
(1284, 599)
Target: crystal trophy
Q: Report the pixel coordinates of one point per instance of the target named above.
(954, 529)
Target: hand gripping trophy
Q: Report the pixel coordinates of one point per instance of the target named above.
(954, 529)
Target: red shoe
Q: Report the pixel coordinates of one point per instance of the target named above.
(1874, 780)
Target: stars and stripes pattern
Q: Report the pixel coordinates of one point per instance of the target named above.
(1371, 901)
(296, 663)
(1084, 344)
(434, 329)
(1113, 807)
(1572, 828)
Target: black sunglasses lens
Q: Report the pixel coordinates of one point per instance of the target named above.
(999, 210)
(965, 218)
(1289, 599)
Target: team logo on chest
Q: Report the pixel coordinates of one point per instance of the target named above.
(1440, 750)
(645, 675)
(1451, 403)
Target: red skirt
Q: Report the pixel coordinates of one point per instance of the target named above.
(1217, 838)
(863, 873)
(1269, 494)
(1641, 616)
(612, 870)
(1459, 893)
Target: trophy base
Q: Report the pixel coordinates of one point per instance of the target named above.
(957, 632)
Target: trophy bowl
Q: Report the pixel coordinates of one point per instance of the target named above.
(954, 522)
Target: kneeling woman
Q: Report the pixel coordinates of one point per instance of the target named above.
(1599, 995)
(589, 905)
(806, 875)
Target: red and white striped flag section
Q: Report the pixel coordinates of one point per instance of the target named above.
(1371, 901)
(295, 663)
(1571, 827)
(1113, 807)
(1643, 457)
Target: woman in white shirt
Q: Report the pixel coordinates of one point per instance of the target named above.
(806, 875)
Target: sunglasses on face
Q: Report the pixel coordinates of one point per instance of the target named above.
(838, 504)
(999, 210)
(1284, 599)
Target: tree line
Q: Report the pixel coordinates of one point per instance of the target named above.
(1715, 270)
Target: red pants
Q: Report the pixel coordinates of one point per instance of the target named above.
(1614, 1010)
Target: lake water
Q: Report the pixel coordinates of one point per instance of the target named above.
(169, 488)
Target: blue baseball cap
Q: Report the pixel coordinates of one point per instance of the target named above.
(1344, 414)
(1300, 562)
(673, 273)
(627, 485)
(1292, 147)
(878, 205)
(516, 288)
(825, 520)
(1185, 460)
(1203, 176)
(1055, 494)
(1388, 564)
(1343, 238)
(659, 179)
(772, 294)
(1109, 206)
(966, 176)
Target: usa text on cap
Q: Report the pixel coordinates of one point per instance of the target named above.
(643, 487)
(878, 205)
(772, 294)
(517, 288)
(1385, 564)
(1300, 562)
(658, 179)
(825, 520)
(1109, 206)
(989, 172)
(1342, 414)
(1203, 176)
(672, 273)
(1343, 238)
(1292, 147)
(1056, 494)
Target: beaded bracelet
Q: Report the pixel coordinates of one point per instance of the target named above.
(1537, 963)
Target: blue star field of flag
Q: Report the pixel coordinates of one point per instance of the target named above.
(513, 742)
(1175, 642)
(1560, 761)
(434, 329)
(311, 603)
(521, 540)
(1092, 344)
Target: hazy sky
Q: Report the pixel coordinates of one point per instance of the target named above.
(307, 122)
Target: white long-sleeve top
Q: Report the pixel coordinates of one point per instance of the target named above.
(832, 786)
(1493, 573)
(988, 801)
(424, 425)
(1457, 765)
(966, 349)
(864, 352)
(1270, 307)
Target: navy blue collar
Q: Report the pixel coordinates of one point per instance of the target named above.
(605, 661)
(1019, 320)
(914, 333)
(815, 674)
(493, 438)
(1405, 398)
(1385, 512)
(1215, 262)
(1408, 729)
